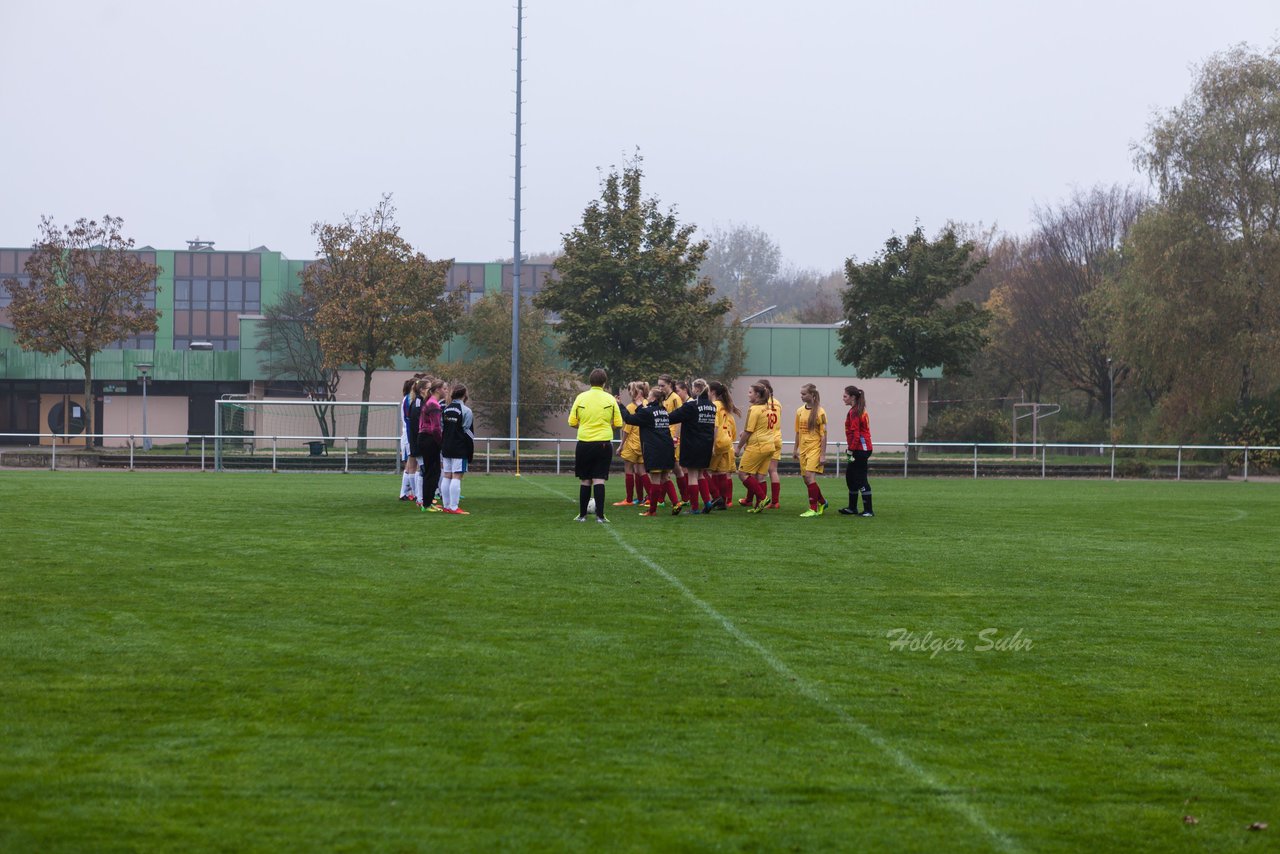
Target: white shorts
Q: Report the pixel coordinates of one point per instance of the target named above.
(452, 465)
(404, 448)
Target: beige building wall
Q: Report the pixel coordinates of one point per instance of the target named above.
(122, 416)
(886, 404)
(386, 385)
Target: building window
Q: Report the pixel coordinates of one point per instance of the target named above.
(135, 342)
(210, 292)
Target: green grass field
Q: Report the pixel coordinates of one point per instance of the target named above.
(247, 662)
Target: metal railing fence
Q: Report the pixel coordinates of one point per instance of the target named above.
(215, 451)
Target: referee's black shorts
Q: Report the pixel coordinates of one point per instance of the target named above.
(591, 460)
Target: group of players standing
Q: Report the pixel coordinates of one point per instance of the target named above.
(680, 443)
(436, 443)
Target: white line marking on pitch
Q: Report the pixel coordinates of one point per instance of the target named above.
(812, 692)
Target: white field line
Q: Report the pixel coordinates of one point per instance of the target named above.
(810, 691)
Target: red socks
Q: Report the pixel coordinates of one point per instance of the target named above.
(683, 481)
(815, 496)
(776, 486)
(631, 486)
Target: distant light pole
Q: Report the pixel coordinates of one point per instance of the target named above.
(514, 427)
(143, 369)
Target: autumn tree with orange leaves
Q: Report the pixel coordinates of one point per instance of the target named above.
(376, 297)
(86, 289)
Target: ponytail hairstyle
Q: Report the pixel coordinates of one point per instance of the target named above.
(408, 386)
(699, 387)
(433, 385)
(762, 391)
(722, 395)
(815, 400)
(679, 385)
(859, 400)
(768, 388)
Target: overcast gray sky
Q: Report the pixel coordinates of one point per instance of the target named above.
(829, 124)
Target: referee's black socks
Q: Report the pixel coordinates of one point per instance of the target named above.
(584, 495)
(599, 496)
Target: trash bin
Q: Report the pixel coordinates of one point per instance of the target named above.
(317, 448)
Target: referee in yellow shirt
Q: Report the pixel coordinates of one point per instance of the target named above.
(595, 413)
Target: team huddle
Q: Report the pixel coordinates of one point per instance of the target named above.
(436, 443)
(681, 444)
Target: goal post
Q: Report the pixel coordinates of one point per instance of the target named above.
(269, 428)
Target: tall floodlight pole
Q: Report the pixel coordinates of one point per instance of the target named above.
(515, 272)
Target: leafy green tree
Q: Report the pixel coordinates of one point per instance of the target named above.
(1012, 353)
(1207, 261)
(628, 296)
(292, 344)
(545, 388)
(722, 350)
(1174, 329)
(897, 314)
(1006, 368)
(86, 289)
(376, 297)
(1050, 297)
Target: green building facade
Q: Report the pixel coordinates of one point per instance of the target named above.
(206, 344)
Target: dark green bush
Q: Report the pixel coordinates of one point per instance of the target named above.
(1255, 423)
(960, 424)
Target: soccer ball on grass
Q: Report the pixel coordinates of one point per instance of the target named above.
(591, 505)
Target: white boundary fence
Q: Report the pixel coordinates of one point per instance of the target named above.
(558, 452)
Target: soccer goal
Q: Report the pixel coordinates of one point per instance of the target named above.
(310, 434)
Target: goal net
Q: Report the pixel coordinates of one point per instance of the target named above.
(270, 429)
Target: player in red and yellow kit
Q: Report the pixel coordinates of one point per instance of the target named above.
(775, 481)
(632, 457)
(722, 454)
(756, 447)
(811, 446)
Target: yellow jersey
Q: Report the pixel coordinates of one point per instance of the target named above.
(805, 438)
(772, 422)
(759, 427)
(631, 451)
(595, 413)
(726, 428)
